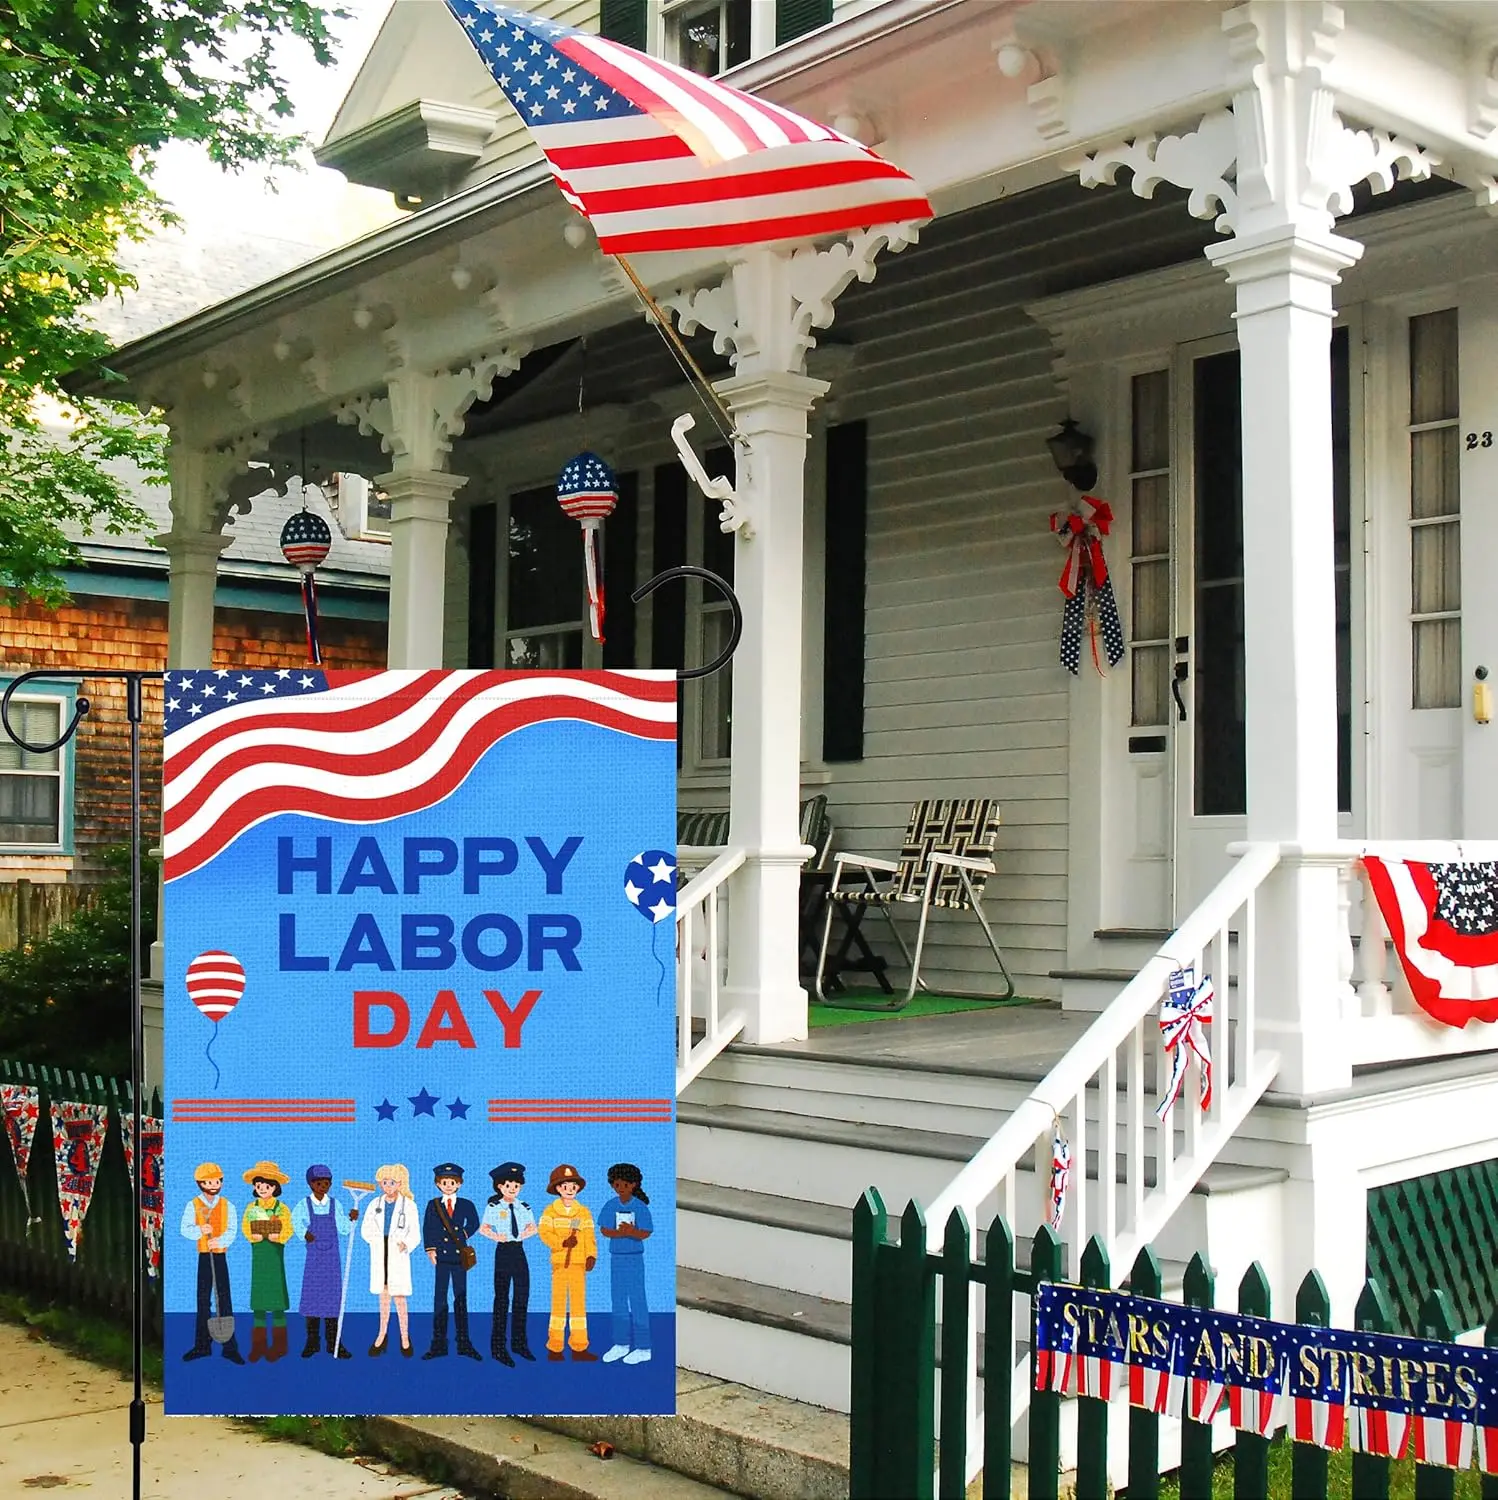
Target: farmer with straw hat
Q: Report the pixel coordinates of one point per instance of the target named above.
(267, 1226)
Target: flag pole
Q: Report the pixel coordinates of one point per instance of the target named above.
(679, 348)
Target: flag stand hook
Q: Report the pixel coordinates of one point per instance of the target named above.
(688, 570)
(134, 682)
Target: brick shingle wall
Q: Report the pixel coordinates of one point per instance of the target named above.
(130, 634)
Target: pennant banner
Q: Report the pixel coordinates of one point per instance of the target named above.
(20, 1105)
(1381, 1393)
(1444, 923)
(151, 1201)
(78, 1142)
(421, 1040)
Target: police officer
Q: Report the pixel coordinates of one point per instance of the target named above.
(509, 1223)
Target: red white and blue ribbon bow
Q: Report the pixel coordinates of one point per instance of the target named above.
(1086, 585)
(1060, 1178)
(1185, 1014)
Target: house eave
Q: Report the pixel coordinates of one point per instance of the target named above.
(416, 151)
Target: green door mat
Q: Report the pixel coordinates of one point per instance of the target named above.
(920, 1005)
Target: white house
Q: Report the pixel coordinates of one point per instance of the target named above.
(1250, 250)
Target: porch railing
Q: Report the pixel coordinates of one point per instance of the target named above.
(703, 1029)
(1143, 1168)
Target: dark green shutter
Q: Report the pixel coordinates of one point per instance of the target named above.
(623, 21)
(620, 532)
(668, 605)
(844, 575)
(483, 554)
(795, 18)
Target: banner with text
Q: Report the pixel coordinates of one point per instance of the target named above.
(1380, 1393)
(420, 1042)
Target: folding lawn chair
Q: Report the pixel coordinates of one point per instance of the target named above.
(945, 862)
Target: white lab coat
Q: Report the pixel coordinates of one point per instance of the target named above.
(405, 1229)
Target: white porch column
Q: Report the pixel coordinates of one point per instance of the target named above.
(192, 572)
(420, 512)
(770, 411)
(1283, 278)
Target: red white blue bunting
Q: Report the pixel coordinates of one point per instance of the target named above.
(1185, 1014)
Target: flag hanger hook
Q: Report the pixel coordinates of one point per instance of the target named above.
(688, 570)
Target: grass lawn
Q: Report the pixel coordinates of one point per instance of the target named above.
(1339, 1479)
(920, 1005)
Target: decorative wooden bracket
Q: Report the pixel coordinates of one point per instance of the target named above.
(730, 518)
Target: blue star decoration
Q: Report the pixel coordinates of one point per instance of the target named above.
(650, 884)
(385, 1110)
(423, 1103)
(191, 696)
(457, 1109)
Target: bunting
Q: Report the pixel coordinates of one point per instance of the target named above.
(78, 1143)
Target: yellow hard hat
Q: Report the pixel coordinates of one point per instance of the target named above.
(208, 1169)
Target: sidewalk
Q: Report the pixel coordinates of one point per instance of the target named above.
(63, 1427)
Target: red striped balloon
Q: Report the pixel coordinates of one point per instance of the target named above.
(215, 981)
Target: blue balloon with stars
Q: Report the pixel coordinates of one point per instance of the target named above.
(650, 885)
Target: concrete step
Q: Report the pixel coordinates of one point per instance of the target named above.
(506, 1457)
(744, 1441)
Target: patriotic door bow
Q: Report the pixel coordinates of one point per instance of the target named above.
(1086, 584)
(1185, 1013)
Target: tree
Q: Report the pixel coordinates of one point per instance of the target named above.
(89, 91)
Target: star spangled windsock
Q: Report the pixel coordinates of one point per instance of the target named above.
(658, 158)
(1185, 1013)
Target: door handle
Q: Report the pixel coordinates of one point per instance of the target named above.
(1182, 672)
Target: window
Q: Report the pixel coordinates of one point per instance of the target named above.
(546, 593)
(1149, 485)
(1435, 511)
(33, 786)
(709, 37)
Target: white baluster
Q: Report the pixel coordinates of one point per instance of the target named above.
(1190, 1099)
(1107, 1147)
(1078, 1181)
(1375, 994)
(1347, 1000)
(1248, 995)
(1134, 1101)
(685, 948)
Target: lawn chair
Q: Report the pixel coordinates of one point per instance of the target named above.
(945, 862)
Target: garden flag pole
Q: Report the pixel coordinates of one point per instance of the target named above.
(659, 159)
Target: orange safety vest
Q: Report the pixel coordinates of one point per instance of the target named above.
(216, 1220)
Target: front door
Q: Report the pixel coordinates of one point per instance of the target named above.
(1207, 708)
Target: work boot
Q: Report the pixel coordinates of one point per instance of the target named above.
(314, 1339)
(232, 1354)
(277, 1343)
(257, 1343)
(198, 1351)
(330, 1332)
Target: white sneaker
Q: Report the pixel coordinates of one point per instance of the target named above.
(636, 1357)
(619, 1351)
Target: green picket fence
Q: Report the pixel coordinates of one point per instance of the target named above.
(905, 1442)
(34, 1256)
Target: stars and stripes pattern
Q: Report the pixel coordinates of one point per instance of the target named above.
(660, 159)
(1443, 919)
(1086, 586)
(20, 1105)
(1185, 1014)
(242, 747)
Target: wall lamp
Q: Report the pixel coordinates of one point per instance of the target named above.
(1071, 452)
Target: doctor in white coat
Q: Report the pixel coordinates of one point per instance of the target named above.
(392, 1230)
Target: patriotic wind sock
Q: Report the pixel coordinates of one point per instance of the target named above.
(1086, 585)
(658, 158)
(588, 493)
(306, 540)
(1060, 1178)
(1185, 1013)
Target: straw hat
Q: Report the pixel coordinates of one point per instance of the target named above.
(267, 1170)
(562, 1174)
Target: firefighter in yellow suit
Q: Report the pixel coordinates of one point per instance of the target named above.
(566, 1229)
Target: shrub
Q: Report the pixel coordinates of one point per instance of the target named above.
(65, 999)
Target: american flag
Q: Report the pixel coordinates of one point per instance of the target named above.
(1444, 922)
(244, 746)
(660, 159)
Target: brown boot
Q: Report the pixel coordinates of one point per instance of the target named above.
(277, 1343)
(257, 1343)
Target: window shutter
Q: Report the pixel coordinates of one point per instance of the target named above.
(483, 553)
(623, 21)
(795, 18)
(668, 614)
(620, 532)
(844, 582)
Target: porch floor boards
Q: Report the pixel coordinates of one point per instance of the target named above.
(1009, 1041)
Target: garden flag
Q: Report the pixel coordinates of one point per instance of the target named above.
(429, 1164)
(659, 158)
(20, 1105)
(78, 1143)
(1444, 922)
(150, 1187)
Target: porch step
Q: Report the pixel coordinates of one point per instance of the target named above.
(740, 1440)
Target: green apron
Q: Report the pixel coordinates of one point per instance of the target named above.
(267, 1270)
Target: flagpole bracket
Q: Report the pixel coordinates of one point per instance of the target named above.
(731, 518)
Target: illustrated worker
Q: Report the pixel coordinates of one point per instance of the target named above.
(321, 1224)
(509, 1223)
(566, 1229)
(449, 1224)
(209, 1220)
